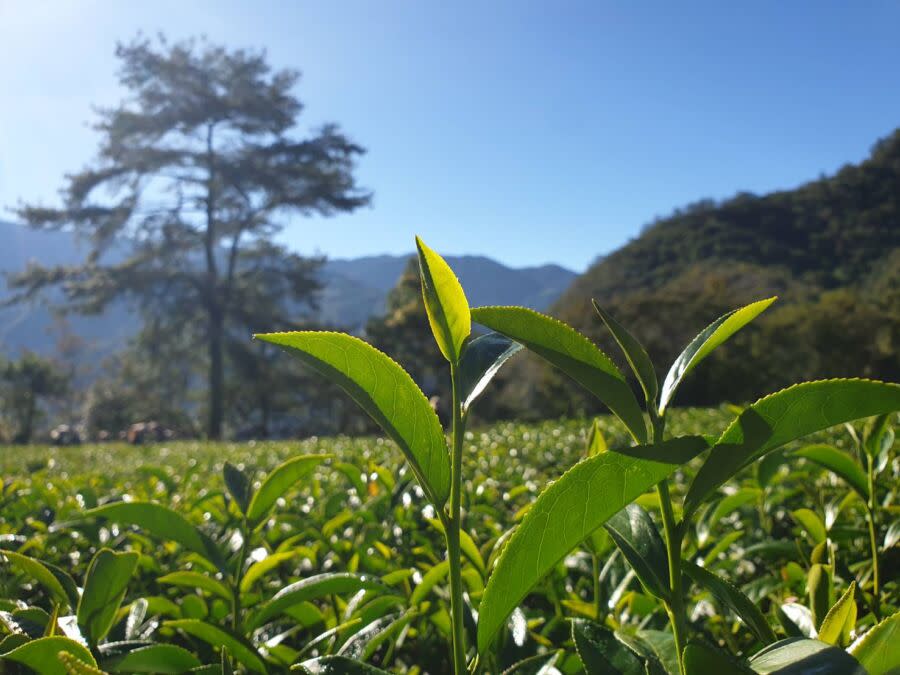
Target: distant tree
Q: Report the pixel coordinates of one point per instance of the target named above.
(197, 170)
(23, 384)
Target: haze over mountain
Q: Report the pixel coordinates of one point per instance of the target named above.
(353, 290)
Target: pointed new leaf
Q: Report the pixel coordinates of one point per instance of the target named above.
(701, 346)
(104, 589)
(732, 597)
(566, 512)
(571, 352)
(879, 436)
(386, 392)
(279, 481)
(785, 416)
(596, 443)
(332, 583)
(840, 620)
(42, 655)
(877, 649)
(238, 484)
(216, 636)
(484, 356)
(55, 584)
(802, 656)
(635, 534)
(601, 653)
(445, 303)
(163, 522)
(839, 463)
(635, 354)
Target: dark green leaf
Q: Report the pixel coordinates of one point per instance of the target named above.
(104, 589)
(802, 656)
(635, 354)
(238, 484)
(601, 653)
(386, 392)
(216, 636)
(783, 417)
(154, 659)
(571, 352)
(483, 357)
(701, 659)
(337, 665)
(839, 463)
(635, 534)
(701, 346)
(566, 512)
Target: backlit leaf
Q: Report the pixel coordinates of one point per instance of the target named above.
(635, 354)
(278, 482)
(802, 656)
(839, 463)
(877, 650)
(42, 655)
(238, 647)
(636, 535)
(445, 303)
(104, 589)
(840, 620)
(483, 358)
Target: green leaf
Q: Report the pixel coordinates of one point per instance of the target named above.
(193, 580)
(466, 544)
(154, 659)
(635, 354)
(278, 482)
(238, 484)
(105, 585)
(601, 653)
(539, 664)
(812, 524)
(635, 534)
(75, 666)
(701, 659)
(879, 436)
(429, 580)
(238, 647)
(161, 522)
(260, 568)
(783, 417)
(58, 588)
(877, 650)
(732, 597)
(337, 665)
(483, 357)
(839, 463)
(802, 656)
(818, 588)
(840, 620)
(333, 583)
(571, 352)
(445, 303)
(42, 655)
(731, 503)
(386, 392)
(596, 443)
(701, 346)
(566, 512)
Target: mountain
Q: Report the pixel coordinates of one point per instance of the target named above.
(830, 249)
(353, 291)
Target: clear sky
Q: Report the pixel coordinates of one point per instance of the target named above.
(529, 132)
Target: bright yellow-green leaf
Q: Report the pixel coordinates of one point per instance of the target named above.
(42, 655)
(840, 621)
(445, 303)
(877, 650)
(189, 579)
(279, 481)
(386, 392)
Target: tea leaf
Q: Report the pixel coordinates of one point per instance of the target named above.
(701, 659)
(238, 484)
(601, 653)
(637, 537)
(386, 392)
(445, 303)
(162, 522)
(812, 524)
(566, 512)
(333, 583)
(635, 354)
(484, 356)
(839, 463)
(42, 655)
(732, 597)
(701, 346)
(786, 416)
(819, 591)
(279, 481)
(877, 649)
(338, 665)
(840, 620)
(216, 636)
(104, 589)
(189, 579)
(571, 352)
(154, 659)
(802, 656)
(61, 588)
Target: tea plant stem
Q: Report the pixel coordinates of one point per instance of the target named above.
(452, 528)
(675, 603)
(598, 600)
(236, 622)
(873, 540)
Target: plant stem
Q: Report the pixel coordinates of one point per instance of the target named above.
(598, 600)
(236, 619)
(873, 539)
(452, 528)
(675, 603)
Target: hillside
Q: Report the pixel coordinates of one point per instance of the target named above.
(830, 249)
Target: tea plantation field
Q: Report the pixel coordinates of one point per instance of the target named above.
(348, 556)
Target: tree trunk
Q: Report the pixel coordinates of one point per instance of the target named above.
(216, 375)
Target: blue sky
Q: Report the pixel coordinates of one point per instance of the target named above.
(530, 132)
